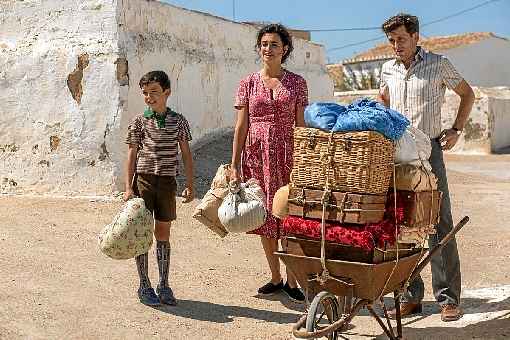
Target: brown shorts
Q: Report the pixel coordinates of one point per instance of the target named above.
(158, 192)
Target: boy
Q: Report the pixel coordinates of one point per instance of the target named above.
(153, 136)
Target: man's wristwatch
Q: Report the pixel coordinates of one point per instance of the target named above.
(457, 130)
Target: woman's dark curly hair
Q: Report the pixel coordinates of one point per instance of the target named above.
(284, 36)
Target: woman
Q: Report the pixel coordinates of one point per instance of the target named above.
(269, 104)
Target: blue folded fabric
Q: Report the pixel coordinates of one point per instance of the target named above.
(323, 115)
(362, 115)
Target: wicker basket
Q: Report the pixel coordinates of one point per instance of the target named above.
(359, 162)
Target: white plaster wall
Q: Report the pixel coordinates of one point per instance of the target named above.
(485, 63)
(355, 72)
(500, 108)
(205, 57)
(40, 42)
(476, 137)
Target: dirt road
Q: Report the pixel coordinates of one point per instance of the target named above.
(55, 284)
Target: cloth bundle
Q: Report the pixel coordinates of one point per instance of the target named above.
(207, 211)
(243, 208)
(361, 115)
(413, 147)
(130, 233)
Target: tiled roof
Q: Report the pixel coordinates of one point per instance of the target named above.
(433, 44)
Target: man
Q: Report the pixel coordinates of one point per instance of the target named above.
(414, 84)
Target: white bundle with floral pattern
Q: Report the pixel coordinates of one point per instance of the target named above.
(130, 233)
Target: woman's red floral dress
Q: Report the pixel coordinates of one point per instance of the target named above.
(267, 155)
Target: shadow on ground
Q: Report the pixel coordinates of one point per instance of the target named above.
(498, 327)
(207, 311)
(503, 151)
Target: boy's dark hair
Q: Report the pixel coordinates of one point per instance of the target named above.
(410, 22)
(284, 36)
(159, 77)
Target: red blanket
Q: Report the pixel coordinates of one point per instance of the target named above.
(362, 236)
(390, 207)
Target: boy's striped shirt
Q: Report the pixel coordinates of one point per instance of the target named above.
(158, 147)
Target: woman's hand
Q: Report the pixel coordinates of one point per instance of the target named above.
(235, 175)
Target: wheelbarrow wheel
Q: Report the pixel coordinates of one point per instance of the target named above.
(324, 311)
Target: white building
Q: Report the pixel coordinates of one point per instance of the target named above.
(69, 74)
(482, 58)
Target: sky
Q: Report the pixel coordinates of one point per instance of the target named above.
(491, 16)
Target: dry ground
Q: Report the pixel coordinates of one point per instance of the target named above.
(55, 284)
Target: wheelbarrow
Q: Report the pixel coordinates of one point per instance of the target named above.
(362, 283)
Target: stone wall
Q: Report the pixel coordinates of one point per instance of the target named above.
(69, 83)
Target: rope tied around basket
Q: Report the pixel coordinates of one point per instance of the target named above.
(324, 201)
(327, 161)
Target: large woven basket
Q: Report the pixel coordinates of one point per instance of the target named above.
(360, 162)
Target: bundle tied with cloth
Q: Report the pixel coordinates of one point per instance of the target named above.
(207, 211)
(231, 207)
(130, 233)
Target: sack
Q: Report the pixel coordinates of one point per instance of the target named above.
(414, 178)
(281, 202)
(207, 211)
(130, 233)
(243, 208)
(412, 146)
(341, 207)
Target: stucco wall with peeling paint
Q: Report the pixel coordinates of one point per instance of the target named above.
(58, 95)
(69, 74)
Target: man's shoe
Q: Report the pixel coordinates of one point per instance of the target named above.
(148, 297)
(406, 309)
(270, 288)
(450, 312)
(166, 296)
(295, 294)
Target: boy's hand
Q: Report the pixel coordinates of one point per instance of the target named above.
(188, 195)
(128, 195)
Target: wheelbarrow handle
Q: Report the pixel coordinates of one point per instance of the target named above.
(438, 247)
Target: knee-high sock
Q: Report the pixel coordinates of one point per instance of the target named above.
(163, 256)
(142, 265)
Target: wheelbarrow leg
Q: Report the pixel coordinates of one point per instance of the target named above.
(385, 311)
(398, 316)
(388, 331)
